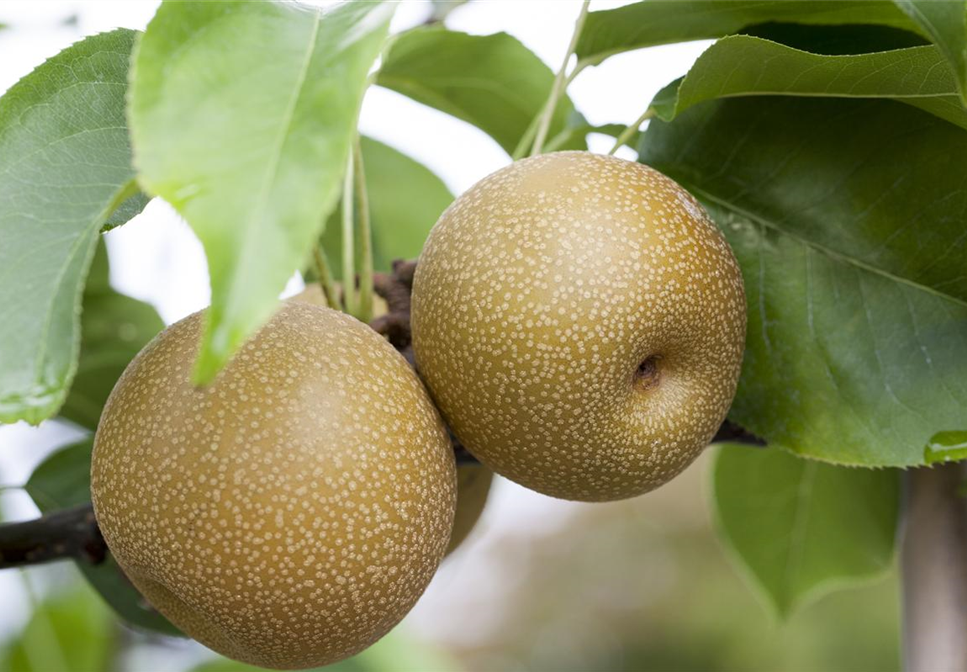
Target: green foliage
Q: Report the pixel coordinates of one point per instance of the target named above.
(945, 21)
(945, 447)
(491, 81)
(64, 480)
(405, 200)
(69, 632)
(114, 328)
(653, 22)
(242, 117)
(801, 527)
(847, 220)
(742, 65)
(65, 163)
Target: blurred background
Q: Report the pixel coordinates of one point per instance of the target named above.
(542, 584)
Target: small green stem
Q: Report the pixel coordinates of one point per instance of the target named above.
(325, 278)
(365, 306)
(560, 83)
(628, 132)
(348, 235)
(527, 139)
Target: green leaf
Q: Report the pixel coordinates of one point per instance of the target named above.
(945, 22)
(63, 480)
(491, 81)
(405, 200)
(847, 218)
(800, 527)
(65, 163)
(842, 40)
(114, 328)
(126, 211)
(653, 22)
(946, 447)
(742, 65)
(242, 116)
(68, 632)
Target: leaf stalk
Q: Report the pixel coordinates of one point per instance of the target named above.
(560, 83)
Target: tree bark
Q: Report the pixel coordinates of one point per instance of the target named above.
(934, 570)
(71, 533)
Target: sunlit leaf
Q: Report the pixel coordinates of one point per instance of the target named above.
(114, 328)
(743, 65)
(945, 447)
(491, 81)
(65, 163)
(242, 115)
(653, 22)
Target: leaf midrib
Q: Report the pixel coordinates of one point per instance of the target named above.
(797, 535)
(251, 223)
(821, 249)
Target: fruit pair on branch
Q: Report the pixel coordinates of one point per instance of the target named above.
(576, 320)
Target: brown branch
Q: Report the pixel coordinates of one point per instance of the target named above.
(731, 432)
(933, 558)
(71, 533)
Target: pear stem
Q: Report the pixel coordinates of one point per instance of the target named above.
(325, 278)
(560, 83)
(348, 239)
(631, 130)
(365, 307)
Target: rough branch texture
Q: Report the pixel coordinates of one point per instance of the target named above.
(73, 533)
(933, 565)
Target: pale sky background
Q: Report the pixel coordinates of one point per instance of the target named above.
(157, 258)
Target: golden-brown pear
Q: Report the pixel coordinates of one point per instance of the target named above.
(292, 512)
(580, 323)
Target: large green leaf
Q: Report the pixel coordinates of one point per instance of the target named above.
(491, 81)
(945, 21)
(742, 65)
(405, 200)
(65, 163)
(68, 632)
(801, 527)
(847, 218)
(242, 116)
(114, 328)
(652, 22)
(64, 480)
